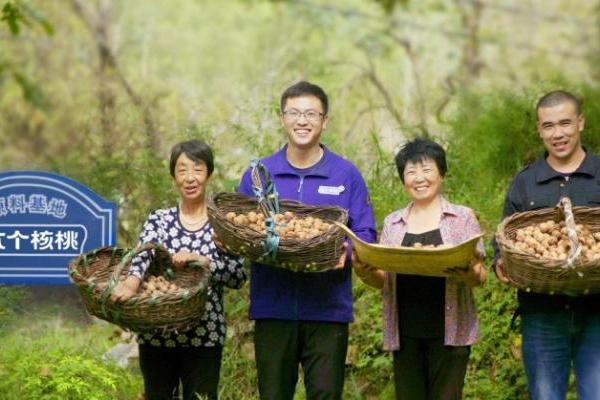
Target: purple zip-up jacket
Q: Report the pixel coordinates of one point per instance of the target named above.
(276, 293)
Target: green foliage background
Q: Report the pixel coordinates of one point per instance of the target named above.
(99, 91)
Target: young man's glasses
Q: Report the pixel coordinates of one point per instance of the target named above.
(311, 116)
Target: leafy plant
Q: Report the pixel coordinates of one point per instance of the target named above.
(10, 298)
(56, 360)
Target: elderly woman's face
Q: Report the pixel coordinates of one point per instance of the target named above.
(422, 180)
(190, 178)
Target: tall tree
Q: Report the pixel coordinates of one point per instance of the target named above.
(98, 22)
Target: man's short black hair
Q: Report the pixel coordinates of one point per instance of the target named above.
(557, 97)
(304, 88)
(417, 151)
(196, 151)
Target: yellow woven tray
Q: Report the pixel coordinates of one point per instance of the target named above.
(411, 261)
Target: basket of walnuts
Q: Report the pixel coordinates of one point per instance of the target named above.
(169, 298)
(303, 237)
(285, 234)
(552, 251)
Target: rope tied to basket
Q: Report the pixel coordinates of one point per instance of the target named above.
(268, 201)
(565, 206)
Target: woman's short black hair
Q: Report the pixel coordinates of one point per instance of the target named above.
(196, 151)
(419, 150)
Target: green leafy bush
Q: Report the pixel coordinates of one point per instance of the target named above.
(51, 359)
(69, 377)
(10, 297)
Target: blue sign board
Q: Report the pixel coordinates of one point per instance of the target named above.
(45, 221)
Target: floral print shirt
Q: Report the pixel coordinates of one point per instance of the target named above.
(457, 224)
(163, 226)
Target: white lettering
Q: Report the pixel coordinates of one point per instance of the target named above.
(57, 208)
(66, 240)
(42, 240)
(17, 203)
(17, 236)
(3, 210)
(37, 204)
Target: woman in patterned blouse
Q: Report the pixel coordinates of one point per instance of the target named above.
(429, 322)
(192, 357)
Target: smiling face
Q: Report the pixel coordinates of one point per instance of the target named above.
(422, 180)
(560, 128)
(190, 178)
(304, 120)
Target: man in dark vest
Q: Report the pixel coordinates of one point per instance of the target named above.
(558, 331)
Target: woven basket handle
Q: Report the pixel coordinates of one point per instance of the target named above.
(264, 188)
(126, 261)
(574, 247)
(268, 201)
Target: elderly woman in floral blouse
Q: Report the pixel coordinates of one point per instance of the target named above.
(192, 357)
(429, 322)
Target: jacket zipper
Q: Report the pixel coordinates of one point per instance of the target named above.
(296, 283)
(300, 188)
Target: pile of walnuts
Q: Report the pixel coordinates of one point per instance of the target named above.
(288, 225)
(549, 240)
(152, 286)
(157, 286)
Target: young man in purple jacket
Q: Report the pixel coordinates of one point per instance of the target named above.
(302, 318)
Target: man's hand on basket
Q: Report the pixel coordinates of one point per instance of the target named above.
(499, 270)
(217, 241)
(126, 289)
(181, 258)
(472, 276)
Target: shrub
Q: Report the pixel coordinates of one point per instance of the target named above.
(53, 360)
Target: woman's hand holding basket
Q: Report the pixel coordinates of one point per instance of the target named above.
(472, 276)
(367, 273)
(126, 289)
(130, 286)
(182, 258)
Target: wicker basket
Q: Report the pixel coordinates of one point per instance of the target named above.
(317, 254)
(97, 273)
(573, 276)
